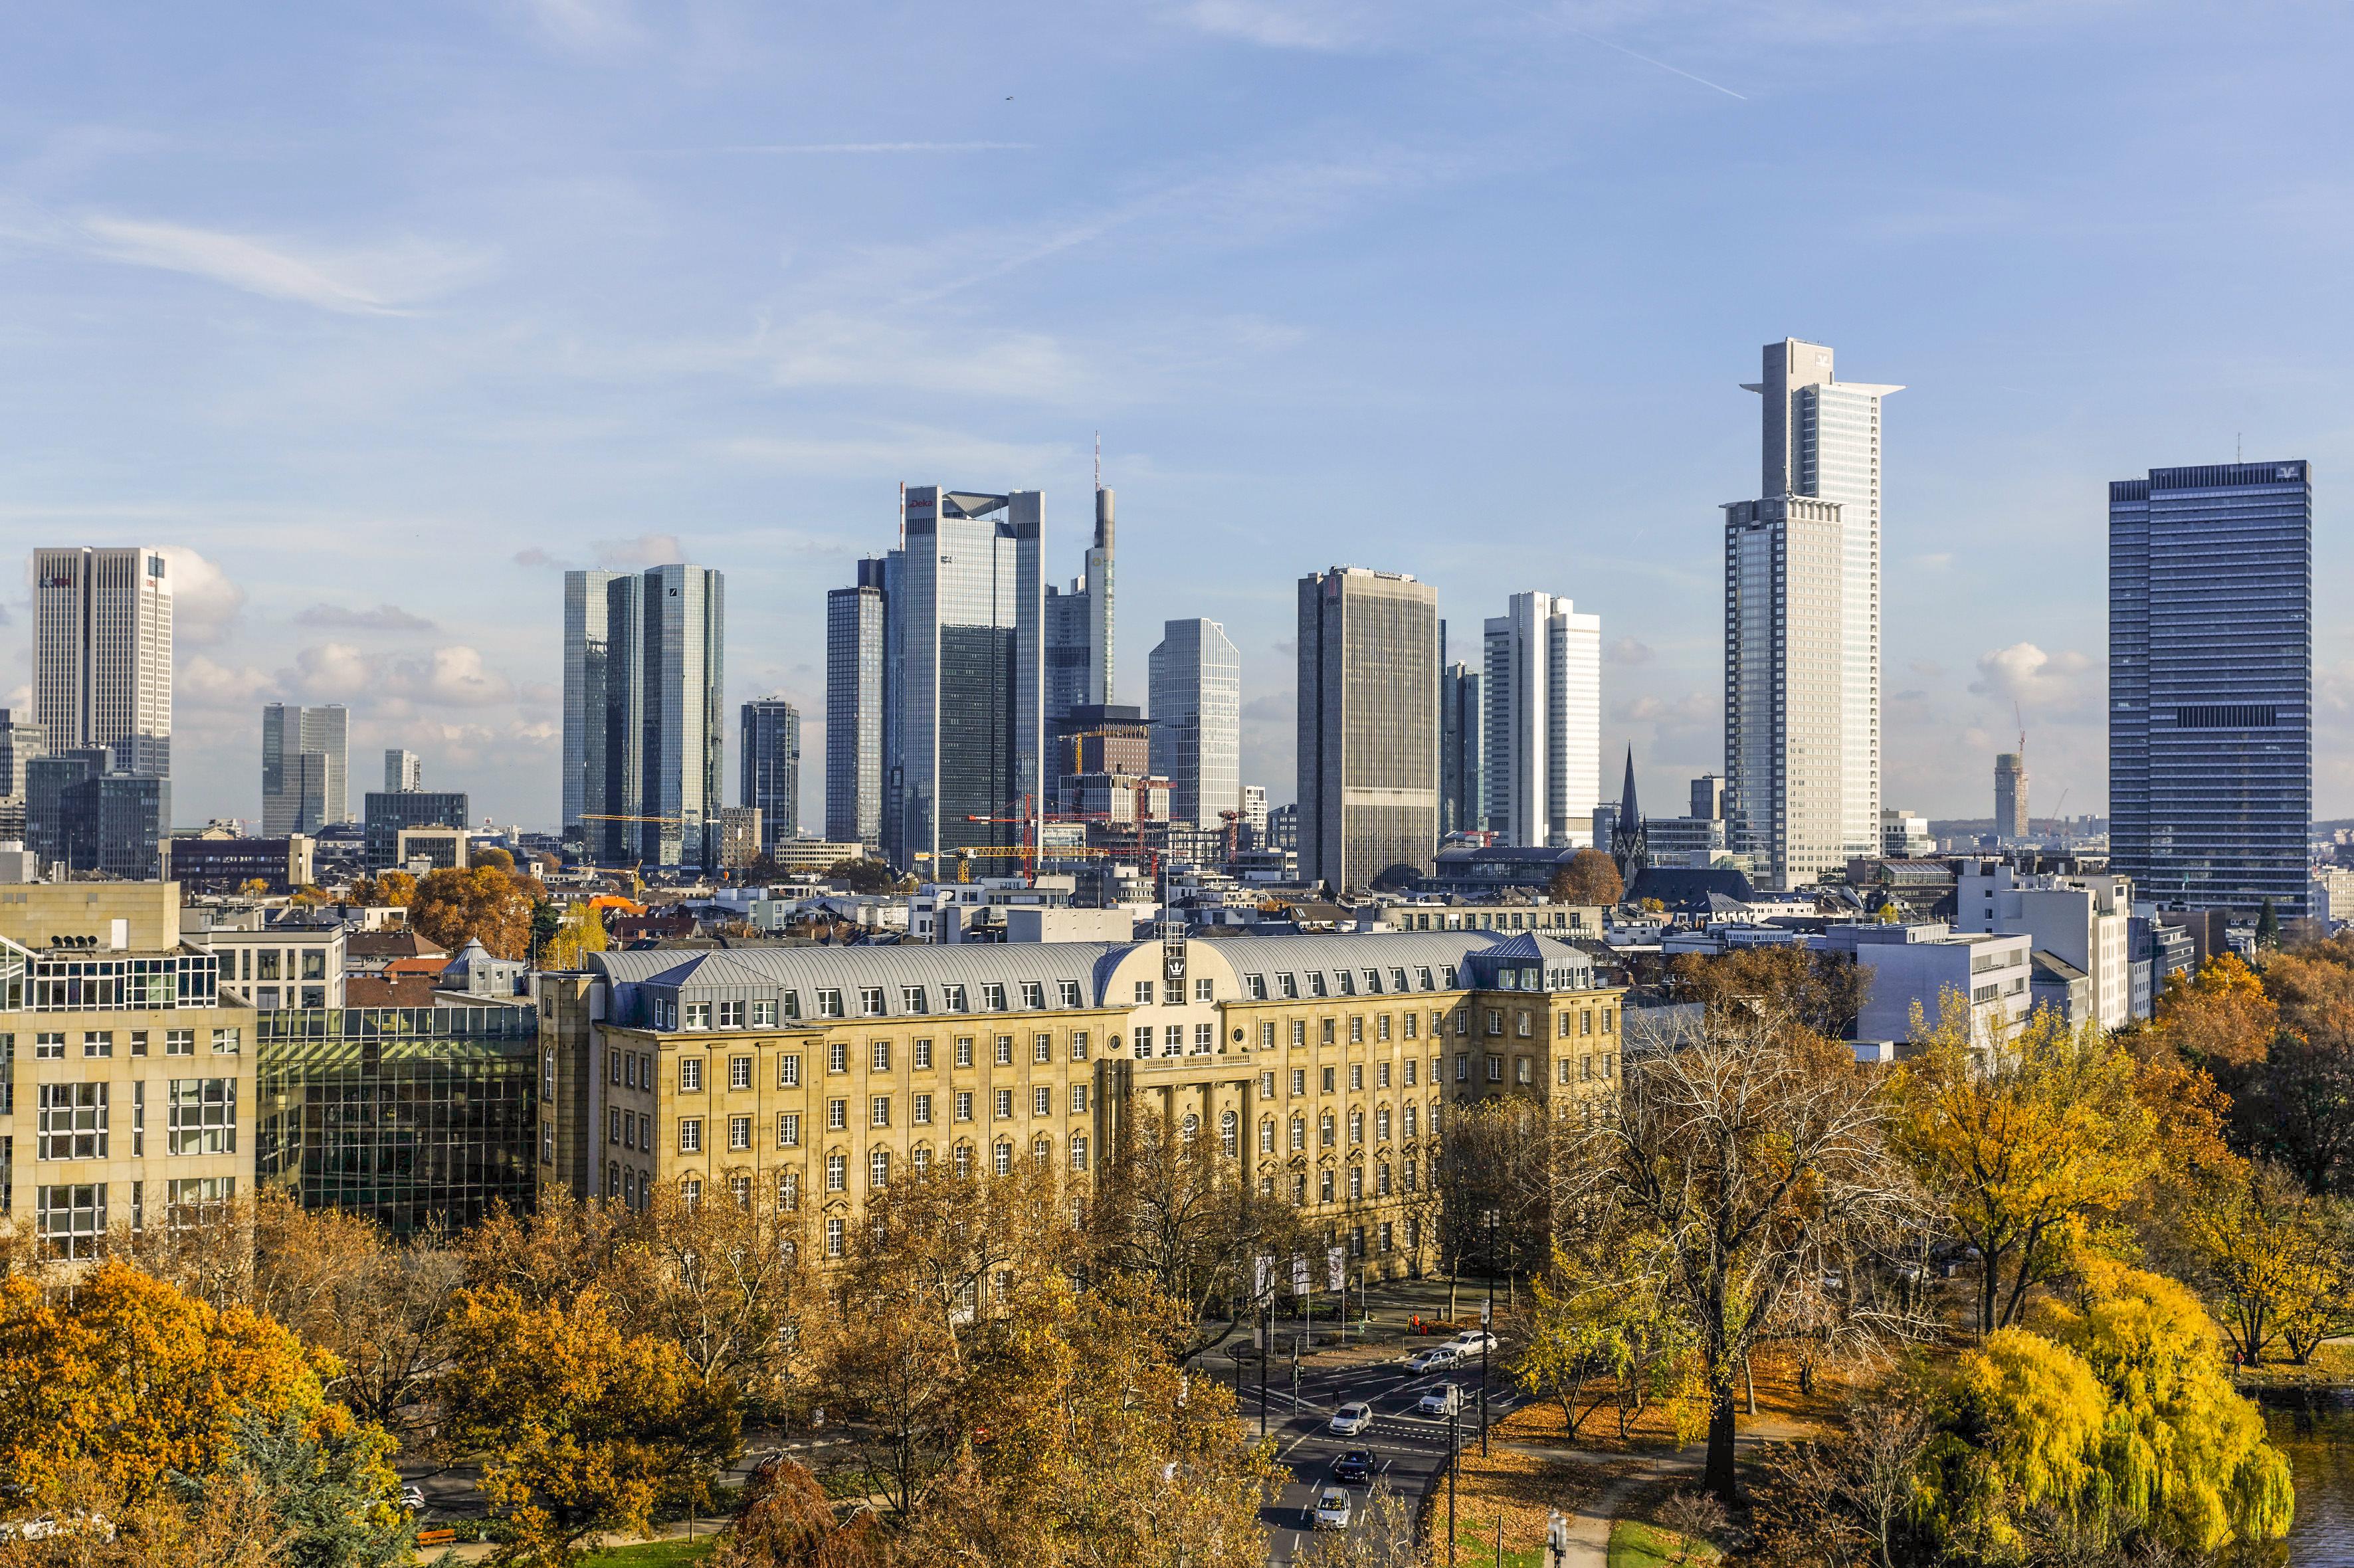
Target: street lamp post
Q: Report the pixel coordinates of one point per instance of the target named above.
(1266, 1334)
(1454, 1463)
(1487, 1333)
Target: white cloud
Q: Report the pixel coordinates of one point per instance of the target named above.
(204, 683)
(383, 618)
(379, 282)
(2026, 675)
(454, 676)
(643, 550)
(330, 671)
(204, 603)
(1627, 651)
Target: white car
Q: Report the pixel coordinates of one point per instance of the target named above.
(1442, 1401)
(1351, 1419)
(1433, 1359)
(1471, 1341)
(1332, 1509)
(412, 1498)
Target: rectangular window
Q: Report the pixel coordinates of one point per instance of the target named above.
(911, 1000)
(1070, 992)
(1034, 995)
(789, 1071)
(923, 1111)
(1042, 1048)
(788, 1130)
(788, 1191)
(992, 996)
(1078, 1045)
(764, 1013)
(1002, 1160)
(1316, 983)
(1267, 1034)
(1462, 1067)
(964, 1105)
(1042, 1100)
(1173, 1040)
(199, 1199)
(179, 1042)
(1004, 1044)
(740, 1072)
(72, 1121)
(1356, 1031)
(837, 1055)
(1356, 1077)
(1289, 986)
(98, 1043)
(739, 1132)
(71, 1219)
(952, 998)
(829, 1004)
(1255, 987)
(878, 1168)
(1327, 1085)
(964, 1052)
(1382, 1076)
(1299, 1032)
(879, 1111)
(1410, 1065)
(1078, 1099)
(837, 1114)
(227, 1042)
(833, 1232)
(923, 1055)
(1205, 1038)
(1143, 992)
(50, 1045)
(1495, 1069)
(698, 1015)
(837, 1173)
(1004, 1104)
(1521, 1069)
(1299, 1080)
(690, 1074)
(1205, 991)
(731, 1015)
(1382, 1027)
(690, 1135)
(870, 1001)
(882, 1055)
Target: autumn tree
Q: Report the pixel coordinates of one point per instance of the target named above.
(2219, 1018)
(1819, 992)
(1596, 1335)
(394, 888)
(1500, 1157)
(1589, 876)
(587, 1431)
(788, 1521)
(2271, 1256)
(864, 874)
(720, 1280)
(129, 1374)
(483, 903)
(1182, 1213)
(2026, 1148)
(2297, 1107)
(549, 1256)
(1746, 1156)
(579, 931)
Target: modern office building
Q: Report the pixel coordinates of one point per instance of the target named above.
(1368, 757)
(1197, 716)
(1802, 625)
(102, 654)
(305, 768)
(1707, 797)
(116, 823)
(1252, 803)
(1078, 633)
(773, 767)
(969, 606)
(1905, 836)
(855, 621)
(220, 862)
(1542, 683)
(47, 780)
(642, 711)
(403, 771)
(2082, 921)
(389, 812)
(1462, 751)
(2011, 795)
(21, 740)
(2211, 684)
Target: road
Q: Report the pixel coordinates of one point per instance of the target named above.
(1409, 1451)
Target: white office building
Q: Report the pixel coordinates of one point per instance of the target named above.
(1541, 689)
(2082, 921)
(1196, 679)
(404, 772)
(1802, 624)
(102, 654)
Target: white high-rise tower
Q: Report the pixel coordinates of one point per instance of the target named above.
(1543, 694)
(1802, 624)
(102, 654)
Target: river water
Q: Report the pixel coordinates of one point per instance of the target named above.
(2316, 1431)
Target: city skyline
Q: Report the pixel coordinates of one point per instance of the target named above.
(697, 325)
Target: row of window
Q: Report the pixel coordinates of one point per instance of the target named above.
(633, 1131)
(1348, 982)
(50, 1044)
(914, 1001)
(71, 1218)
(637, 1071)
(73, 1120)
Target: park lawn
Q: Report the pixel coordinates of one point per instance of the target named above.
(1520, 1489)
(1779, 1400)
(1634, 1544)
(656, 1554)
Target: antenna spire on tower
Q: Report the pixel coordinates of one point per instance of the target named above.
(1099, 460)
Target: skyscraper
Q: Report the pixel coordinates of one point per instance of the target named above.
(2011, 795)
(1462, 751)
(1802, 624)
(402, 772)
(585, 615)
(648, 724)
(305, 768)
(854, 626)
(102, 654)
(21, 740)
(773, 767)
(1196, 677)
(2211, 684)
(1368, 787)
(1078, 628)
(968, 606)
(1543, 688)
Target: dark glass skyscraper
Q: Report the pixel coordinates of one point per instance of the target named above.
(2211, 684)
(773, 767)
(856, 620)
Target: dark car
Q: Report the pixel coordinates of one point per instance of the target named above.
(1356, 1465)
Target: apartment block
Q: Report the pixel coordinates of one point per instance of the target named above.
(2082, 921)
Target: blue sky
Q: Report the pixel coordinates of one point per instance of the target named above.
(381, 314)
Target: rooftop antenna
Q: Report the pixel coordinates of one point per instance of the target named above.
(1099, 460)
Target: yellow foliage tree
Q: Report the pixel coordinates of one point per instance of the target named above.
(395, 888)
(482, 903)
(579, 931)
(2028, 1416)
(2029, 1149)
(133, 1380)
(2219, 1016)
(2269, 1256)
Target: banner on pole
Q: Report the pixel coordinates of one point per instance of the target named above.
(1266, 1275)
(1299, 1273)
(1335, 1265)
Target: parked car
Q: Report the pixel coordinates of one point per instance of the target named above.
(1351, 1419)
(1442, 1401)
(1356, 1465)
(1332, 1509)
(1435, 1359)
(413, 1498)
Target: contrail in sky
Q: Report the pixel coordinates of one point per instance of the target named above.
(1679, 71)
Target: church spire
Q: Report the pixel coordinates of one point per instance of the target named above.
(1630, 846)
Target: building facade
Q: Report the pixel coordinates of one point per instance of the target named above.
(1323, 1065)
(389, 813)
(305, 767)
(1078, 634)
(648, 726)
(2211, 684)
(773, 767)
(404, 771)
(855, 662)
(1802, 624)
(1462, 751)
(1368, 737)
(1196, 677)
(102, 654)
(2084, 921)
(21, 740)
(2011, 795)
(1542, 683)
